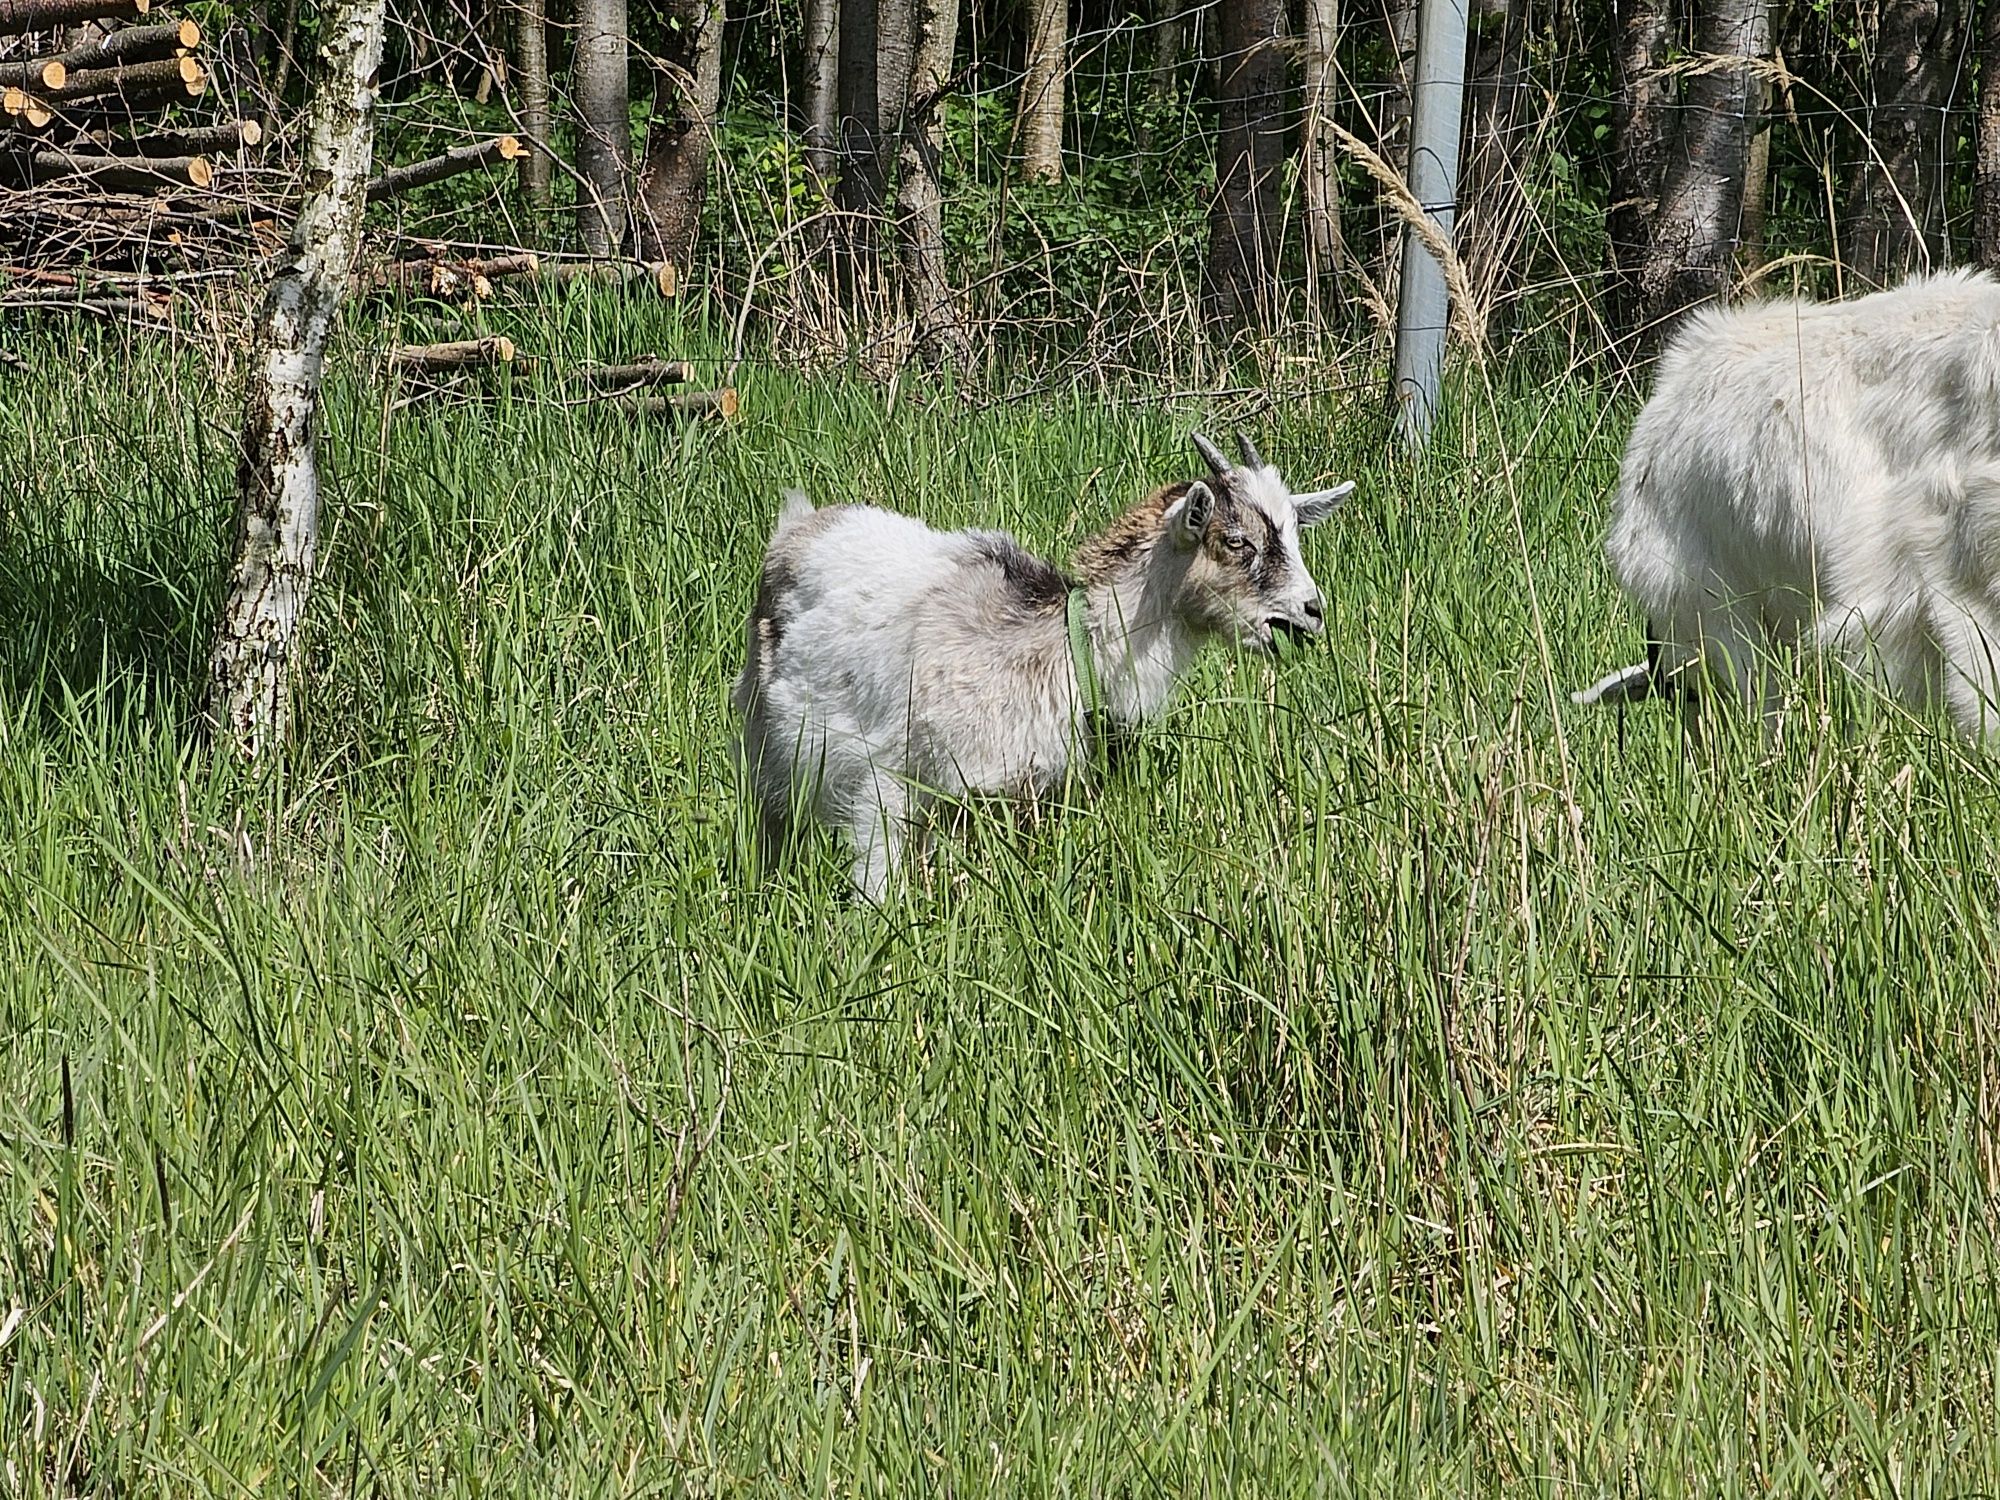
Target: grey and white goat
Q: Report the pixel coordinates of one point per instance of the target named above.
(891, 665)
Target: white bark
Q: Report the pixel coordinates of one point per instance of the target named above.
(604, 122)
(277, 479)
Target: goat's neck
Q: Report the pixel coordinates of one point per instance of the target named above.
(1140, 638)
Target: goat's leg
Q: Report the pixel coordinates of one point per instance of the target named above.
(878, 828)
(1968, 638)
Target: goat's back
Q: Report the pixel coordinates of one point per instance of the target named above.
(1811, 451)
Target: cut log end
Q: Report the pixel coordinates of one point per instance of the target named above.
(720, 403)
(251, 133)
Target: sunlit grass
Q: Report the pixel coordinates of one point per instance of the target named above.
(1396, 1082)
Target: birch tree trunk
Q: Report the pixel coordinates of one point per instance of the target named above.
(1243, 227)
(1693, 251)
(1042, 90)
(822, 70)
(1392, 139)
(604, 122)
(920, 252)
(1320, 155)
(531, 46)
(1986, 171)
(277, 478)
(1895, 196)
(1642, 126)
(680, 138)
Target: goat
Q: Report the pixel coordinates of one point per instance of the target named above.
(1825, 476)
(890, 665)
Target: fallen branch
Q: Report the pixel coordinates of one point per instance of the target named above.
(133, 80)
(123, 174)
(459, 159)
(612, 273)
(133, 44)
(694, 403)
(103, 307)
(219, 139)
(35, 75)
(446, 278)
(646, 372)
(17, 16)
(465, 354)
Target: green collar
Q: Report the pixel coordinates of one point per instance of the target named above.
(1082, 660)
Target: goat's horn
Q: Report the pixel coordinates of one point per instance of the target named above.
(1216, 462)
(1250, 454)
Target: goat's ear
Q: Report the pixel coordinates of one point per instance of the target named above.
(1189, 516)
(1316, 507)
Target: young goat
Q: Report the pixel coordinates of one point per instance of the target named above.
(1821, 475)
(891, 665)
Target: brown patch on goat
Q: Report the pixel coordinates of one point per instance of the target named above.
(1113, 549)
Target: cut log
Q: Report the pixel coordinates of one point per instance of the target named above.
(24, 109)
(133, 44)
(103, 307)
(721, 403)
(36, 75)
(123, 174)
(647, 372)
(170, 75)
(17, 16)
(660, 274)
(216, 139)
(438, 168)
(465, 354)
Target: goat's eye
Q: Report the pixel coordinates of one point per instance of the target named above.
(1237, 543)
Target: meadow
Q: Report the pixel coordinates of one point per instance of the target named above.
(1396, 1082)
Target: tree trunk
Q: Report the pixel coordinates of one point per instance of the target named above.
(680, 139)
(277, 479)
(1895, 196)
(1642, 126)
(604, 123)
(1319, 154)
(822, 72)
(1243, 226)
(532, 65)
(1169, 28)
(1693, 246)
(1756, 192)
(863, 181)
(1042, 90)
(1392, 136)
(1493, 213)
(940, 324)
(1986, 174)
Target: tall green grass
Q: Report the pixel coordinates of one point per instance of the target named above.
(1396, 1082)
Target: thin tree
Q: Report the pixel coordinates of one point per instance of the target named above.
(1986, 170)
(1692, 256)
(531, 46)
(920, 250)
(822, 73)
(1042, 90)
(1493, 210)
(1318, 150)
(680, 137)
(604, 122)
(863, 182)
(1642, 133)
(277, 473)
(1895, 199)
(1249, 150)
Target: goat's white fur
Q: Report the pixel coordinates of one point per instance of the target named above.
(890, 664)
(1822, 475)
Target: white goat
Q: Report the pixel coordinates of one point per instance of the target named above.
(891, 665)
(1821, 475)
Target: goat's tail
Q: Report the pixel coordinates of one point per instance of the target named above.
(797, 506)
